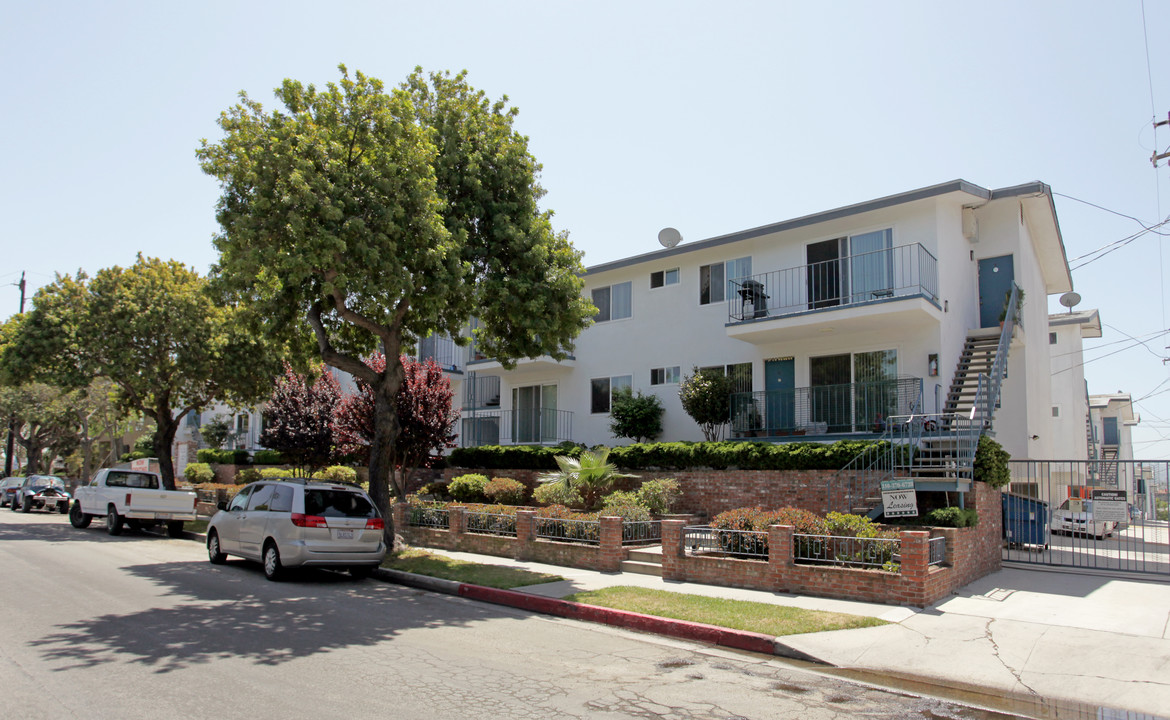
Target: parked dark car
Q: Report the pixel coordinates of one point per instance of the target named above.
(8, 488)
(41, 492)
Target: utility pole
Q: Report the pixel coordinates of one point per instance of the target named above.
(10, 449)
(1157, 155)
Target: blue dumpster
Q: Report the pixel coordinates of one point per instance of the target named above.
(1025, 520)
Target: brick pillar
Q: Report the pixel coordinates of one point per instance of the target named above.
(610, 553)
(916, 565)
(525, 533)
(779, 557)
(399, 514)
(673, 557)
(457, 521)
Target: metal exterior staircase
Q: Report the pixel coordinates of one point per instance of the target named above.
(935, 450)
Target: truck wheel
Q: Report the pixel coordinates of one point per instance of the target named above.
(272, 567)
(113, 521)
(77, 518)
(175, 529)
(214, 554)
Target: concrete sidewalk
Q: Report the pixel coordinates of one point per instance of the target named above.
(1037, 643)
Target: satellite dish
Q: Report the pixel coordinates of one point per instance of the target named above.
(1069, 299)
(669, 237)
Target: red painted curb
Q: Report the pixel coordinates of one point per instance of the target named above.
(739, 639)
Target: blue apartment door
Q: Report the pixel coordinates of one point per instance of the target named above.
(995, 282)
(780, 394)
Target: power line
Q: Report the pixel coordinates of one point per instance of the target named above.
(1114, 212)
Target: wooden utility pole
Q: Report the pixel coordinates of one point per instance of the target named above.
(10, 448)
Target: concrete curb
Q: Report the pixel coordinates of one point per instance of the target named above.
(699, 632)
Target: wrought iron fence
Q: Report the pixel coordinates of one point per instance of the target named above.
(739, 543)
(903, 271)
(432, 517)
(844, 551)
(841, 408)
(565, 530)
(938, 550)
(637, 532)
(491, 523)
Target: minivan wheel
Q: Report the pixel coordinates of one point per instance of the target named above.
(272, 567)
(214, 554)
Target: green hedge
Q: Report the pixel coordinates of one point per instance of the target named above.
(268, 457)
(223, 457)
(673, 455)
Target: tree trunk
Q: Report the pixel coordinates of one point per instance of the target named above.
(386, 431)
(34, 448)
(164, 438)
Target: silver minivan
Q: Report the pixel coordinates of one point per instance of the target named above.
(299, 523)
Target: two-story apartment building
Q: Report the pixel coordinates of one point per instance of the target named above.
(828, 324)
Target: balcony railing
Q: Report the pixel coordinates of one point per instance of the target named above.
(824, 409)
(903, 271)
(515, 427)
(483, 391)
(443, 351)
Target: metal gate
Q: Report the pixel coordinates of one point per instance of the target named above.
(1098, 514)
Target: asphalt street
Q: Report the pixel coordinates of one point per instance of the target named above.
(143, 626)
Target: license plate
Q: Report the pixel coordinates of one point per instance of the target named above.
(343, 534)
(162, 516)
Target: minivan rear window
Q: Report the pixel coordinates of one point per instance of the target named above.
(338, 503)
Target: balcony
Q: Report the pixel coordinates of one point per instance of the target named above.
(824, 409)
(515, 427)
(899, 283)
(443, 351)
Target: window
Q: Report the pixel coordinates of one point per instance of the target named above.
(602, 390)
(714, 279)
(260, 499)
(282, 497)
(534, 413)
(664, 376)
(1055, 411)
(853, 391)
(740, 374)
(663, 277)
(613, 302)
(1051, 338)
(240, 501)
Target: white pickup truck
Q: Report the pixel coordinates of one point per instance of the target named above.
(131, 498)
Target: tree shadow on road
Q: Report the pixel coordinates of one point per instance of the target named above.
(235, 613)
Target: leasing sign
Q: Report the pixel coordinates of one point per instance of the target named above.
(899, 498)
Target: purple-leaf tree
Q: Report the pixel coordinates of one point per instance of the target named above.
(298, 421)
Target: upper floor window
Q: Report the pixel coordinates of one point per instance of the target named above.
(662, 278)
(1051, 338)
(613, 302)
(715, 278)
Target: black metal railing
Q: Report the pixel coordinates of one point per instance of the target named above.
(844, 551)
(515, 427)
(903, 271)
(824, 409)
(432, 517)
(443, 351)
(490, 523)
(737, 543)
(635, 532)
(568, 530)
(938, 550)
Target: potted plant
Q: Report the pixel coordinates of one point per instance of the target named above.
(1007, 299)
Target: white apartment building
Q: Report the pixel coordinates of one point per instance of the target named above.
(828, 323)
(1073, 435)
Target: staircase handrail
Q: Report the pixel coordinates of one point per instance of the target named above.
(999, 368)
(876, 461)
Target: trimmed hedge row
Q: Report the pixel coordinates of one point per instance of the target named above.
(673, 455)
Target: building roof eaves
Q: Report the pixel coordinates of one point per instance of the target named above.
(826, 216)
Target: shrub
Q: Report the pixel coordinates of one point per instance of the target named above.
(991, 463)
(223, 457)
(659, 494)
(268, 457)
(198, 473)
(637, 417)
(337, 473)
(505, 491)
(247, 475)
(276, 473)
(706, 397)
(626, 506)
(758, 520)
(436, 489)
(556, 494)
(952, 517)
(468, 488)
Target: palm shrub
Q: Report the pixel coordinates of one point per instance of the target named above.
(198, 473)
(468, 488)
(505, 491)
(591, 475)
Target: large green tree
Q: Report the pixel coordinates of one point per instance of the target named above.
(45, 421)
(155, 332)
(374, 217)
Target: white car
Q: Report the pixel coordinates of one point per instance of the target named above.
(297, 523)
(1071, 522)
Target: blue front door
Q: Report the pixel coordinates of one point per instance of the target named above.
(995, 282)
(779, 386)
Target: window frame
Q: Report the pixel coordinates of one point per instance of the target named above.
(666, 278)
(610, 387)
(611, 302)
(665, 375)
(728, 271)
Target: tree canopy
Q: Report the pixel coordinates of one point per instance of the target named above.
(706, 397)
(298, 420)
(155, 332)
(373, 217)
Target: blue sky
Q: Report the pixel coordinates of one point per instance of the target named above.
(644, 115)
